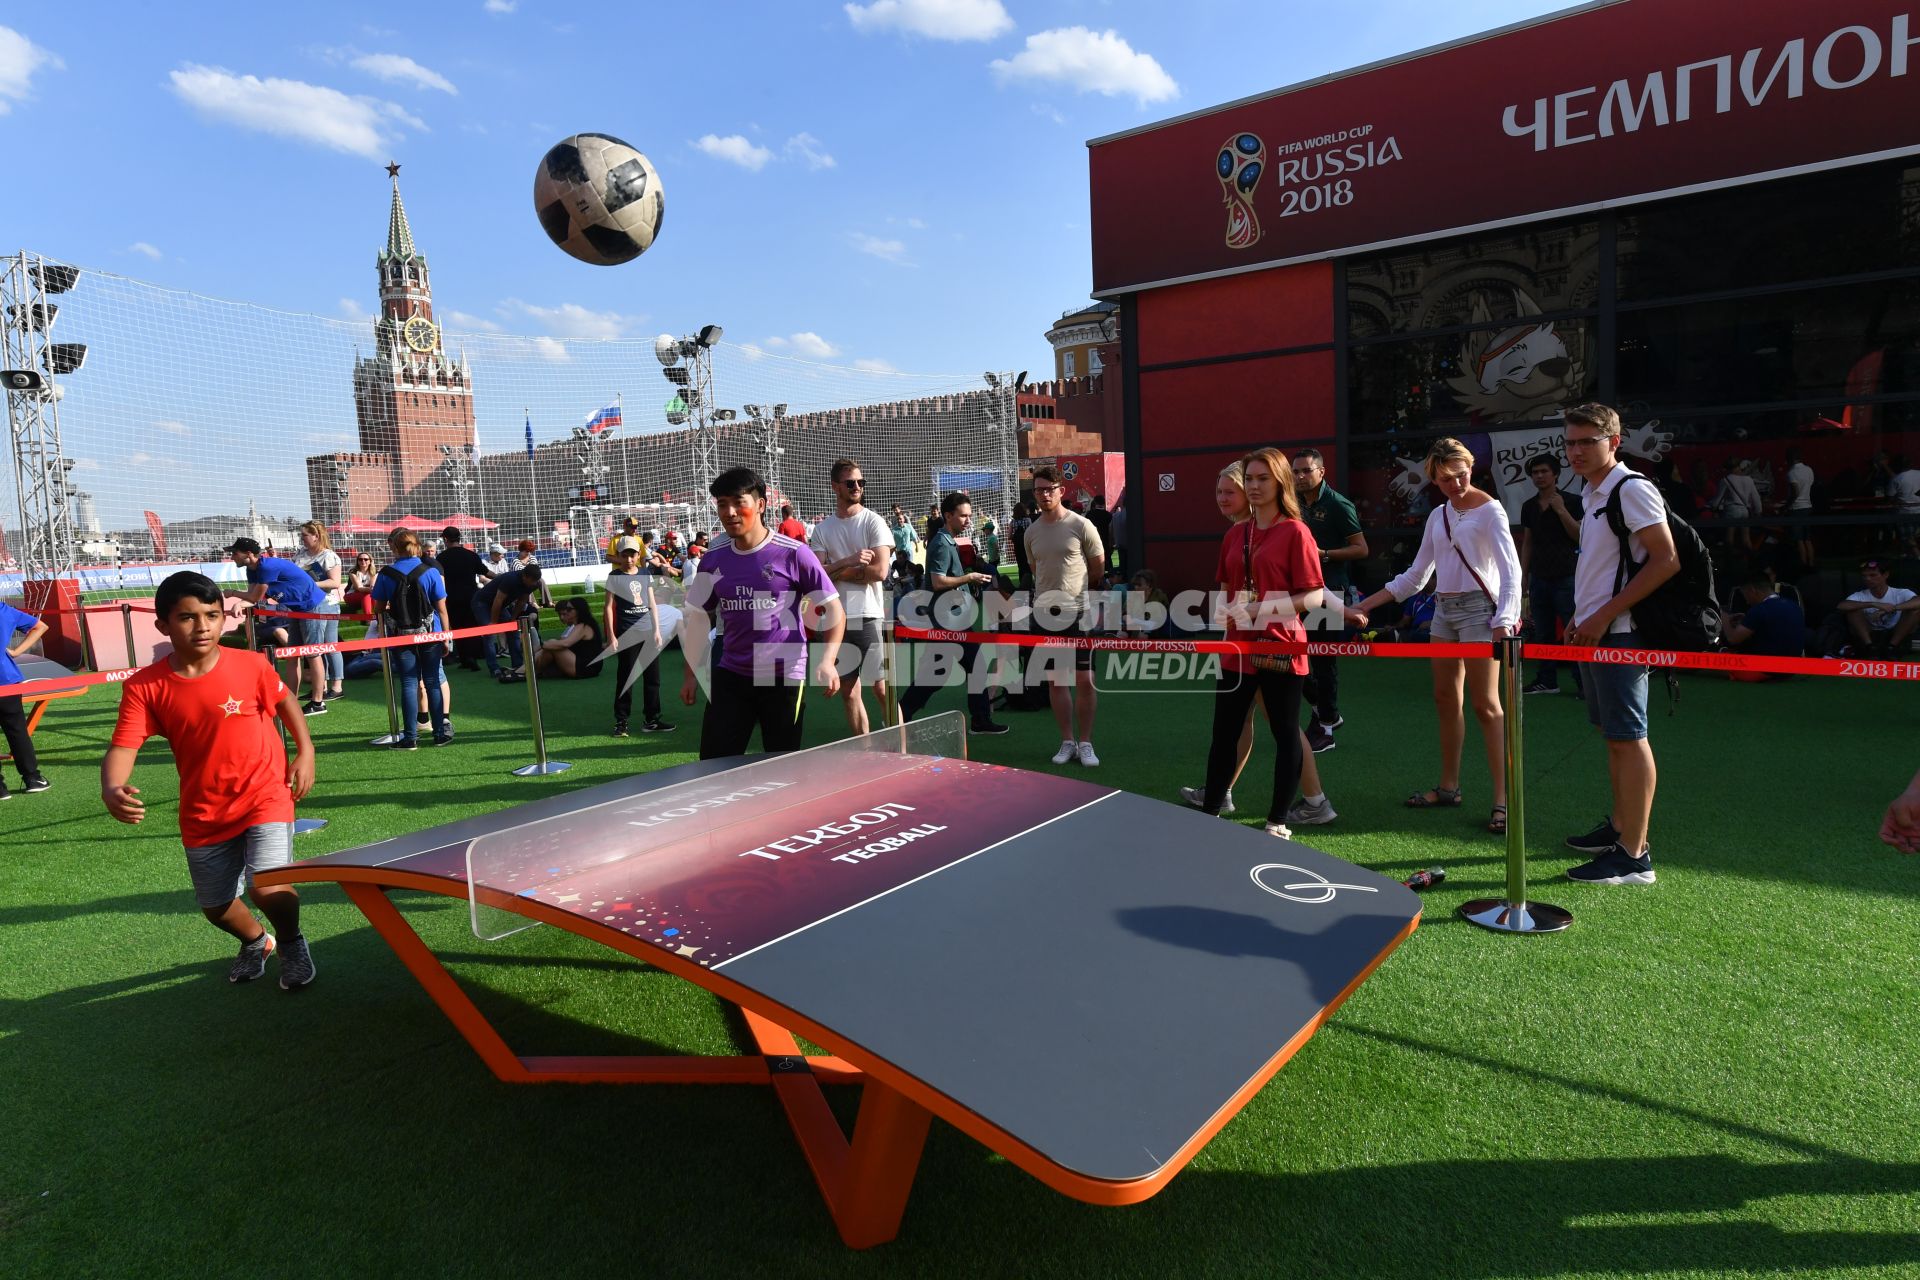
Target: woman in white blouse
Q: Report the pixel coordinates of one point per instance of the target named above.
(1468, 544)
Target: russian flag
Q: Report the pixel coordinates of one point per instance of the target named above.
(607, 418)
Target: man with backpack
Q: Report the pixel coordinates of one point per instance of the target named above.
(1627, 552)
(410, 597)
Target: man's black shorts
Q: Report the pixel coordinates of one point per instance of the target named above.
(737, 703)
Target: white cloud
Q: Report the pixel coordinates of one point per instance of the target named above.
(1090, 62)
(19, 59)
(735, 149)
(313, 113)
(935, 19)
(894, 251)
(551, 349)
(145, 250)
(152, 460)
(871, 365)
(805, 147)
(471, 323)
(1048, 112)
(352, 310)
(86, 464)
(813, 346)
(172, 426)
(501, 6)
(397, 68)
(571, 320)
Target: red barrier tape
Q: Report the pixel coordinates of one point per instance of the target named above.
(68, 684)
(1312, 648)
(1672, 659)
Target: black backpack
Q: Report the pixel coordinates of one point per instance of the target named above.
(1683, 612)
(409, 611)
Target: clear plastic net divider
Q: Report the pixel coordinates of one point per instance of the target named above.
(609, 862)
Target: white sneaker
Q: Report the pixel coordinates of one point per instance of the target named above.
(1197, 797)
(1088, 760)
(1280, 829)
(1065, 753)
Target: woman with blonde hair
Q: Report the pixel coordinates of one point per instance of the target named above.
(1313, 809)
(1468, 547)
(1269, 575)
(323, 562)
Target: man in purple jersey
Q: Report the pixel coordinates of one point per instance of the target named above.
(754, 585)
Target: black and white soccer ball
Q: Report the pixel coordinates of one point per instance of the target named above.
(599, 199)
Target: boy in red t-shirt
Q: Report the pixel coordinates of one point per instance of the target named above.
(215, 707)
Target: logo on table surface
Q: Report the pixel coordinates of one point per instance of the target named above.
(1323, 889)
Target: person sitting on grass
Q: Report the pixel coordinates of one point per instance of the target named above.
(573, 652)
(215, 707)
(1880, 618)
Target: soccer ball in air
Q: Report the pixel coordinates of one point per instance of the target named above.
(599, 199)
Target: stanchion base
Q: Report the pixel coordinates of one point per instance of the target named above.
(384, 740)
(1502, 916)
(536, 769)
(301, 826)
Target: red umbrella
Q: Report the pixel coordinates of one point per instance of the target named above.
(463, 521)
(357, 524)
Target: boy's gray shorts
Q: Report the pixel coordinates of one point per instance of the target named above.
(222, 872)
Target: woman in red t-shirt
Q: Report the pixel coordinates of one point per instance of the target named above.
(1269, 574)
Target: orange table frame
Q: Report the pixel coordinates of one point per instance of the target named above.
(40, 701)
(864, 1180)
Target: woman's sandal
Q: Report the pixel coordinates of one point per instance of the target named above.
(1436, 798)
(1498, 822)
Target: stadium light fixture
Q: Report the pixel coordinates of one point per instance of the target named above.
(55, 277)
(1020, 383)
(66, 357)
(34, 315)
(666, 349)
(676, 375)
(755, 411)
(993, 379)
(709, 335)
(780, 411)
(723, 415)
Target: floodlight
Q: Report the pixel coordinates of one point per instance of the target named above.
(993, 380)
(676, 375)
(709, 335)
(723, 415)
(755, 411)
(691, 395)
(780, 411)
(66, 357)
(54, 277)
(666, 349)
(34, 315)
(1020, 383)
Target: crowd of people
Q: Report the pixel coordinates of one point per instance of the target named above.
(772, 607)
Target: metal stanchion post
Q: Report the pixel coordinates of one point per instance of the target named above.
(541, 765)
(890, 706)
(1514, 914)
(126, 625)
(393, 734)
(301, 826)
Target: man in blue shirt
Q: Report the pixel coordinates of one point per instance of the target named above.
(282, 584)
(1773, 626)
(13, 715)
(501, 600)
(410, 598)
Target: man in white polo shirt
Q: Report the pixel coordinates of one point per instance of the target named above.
(855, 547)
(1604, 593)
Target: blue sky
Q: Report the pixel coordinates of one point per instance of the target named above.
(899, 182)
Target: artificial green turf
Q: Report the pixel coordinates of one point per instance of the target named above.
(1714, 1076)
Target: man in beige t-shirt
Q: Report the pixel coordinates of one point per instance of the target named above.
(1068, 560)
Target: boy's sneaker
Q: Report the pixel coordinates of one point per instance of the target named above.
(315, 708)
(1331, 725)
(443, 739)
(1311, 815)
(1542, 686)
(1279, 829)
(4, 793)
(656, 726)
(1197, 797)
(404, 744)
(1087, 759)
(620, 729)
(1319, 740)
(1615, 866)
(35, 782)
(1599, 840)
(252, 960)
(988, 730)
(296, 963)
(1066, 752)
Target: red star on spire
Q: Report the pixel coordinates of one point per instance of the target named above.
(393, 170)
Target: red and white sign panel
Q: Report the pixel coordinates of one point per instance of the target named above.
(1609, 104)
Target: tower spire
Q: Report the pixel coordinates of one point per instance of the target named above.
(399, 234)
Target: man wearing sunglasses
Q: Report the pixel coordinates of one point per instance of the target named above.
(855, 547)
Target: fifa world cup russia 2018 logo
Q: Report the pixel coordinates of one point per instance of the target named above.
(1243, 158)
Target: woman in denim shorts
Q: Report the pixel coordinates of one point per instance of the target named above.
(1468, 547)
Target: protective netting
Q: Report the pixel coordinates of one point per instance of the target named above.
(224, 418)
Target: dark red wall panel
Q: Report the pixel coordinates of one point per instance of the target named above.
(1261, 311)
